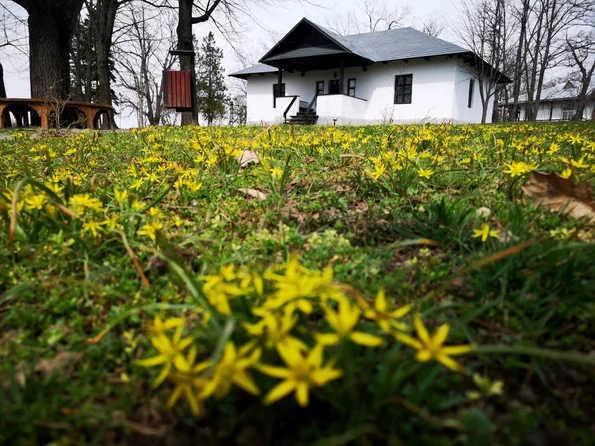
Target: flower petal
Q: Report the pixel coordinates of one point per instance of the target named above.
(366, 339)
(151, 362)
(301, 394)
(422, 332)
(440, 335)
(380, 303)
(174, 396)
(449, 362)
(242, 380)
(454, 350)
(275, 372)
(408, 340)
(279, 391)
(423, 356)
(328, 338)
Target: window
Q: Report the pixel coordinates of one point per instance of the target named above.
(351, 87)
(276, 92)
(333, 87)
(568, 112)
(320, 87)
(403, 88)
(470, 98)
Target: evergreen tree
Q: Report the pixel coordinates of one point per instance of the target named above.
(210, 82)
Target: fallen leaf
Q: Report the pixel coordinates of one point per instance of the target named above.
(248, 157)
(557, 194)
(254, 193)
(58, 363)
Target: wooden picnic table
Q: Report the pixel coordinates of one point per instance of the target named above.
(20, 108)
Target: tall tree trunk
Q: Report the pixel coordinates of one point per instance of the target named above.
(51, 25)
(2, 87)
(518, 64)
(185, 42)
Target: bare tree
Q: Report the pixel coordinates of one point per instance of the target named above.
(433, 26)
(141, 59)
(581, 59)
(483, 29)
(371, 16)
(228, 17)
(545, 44)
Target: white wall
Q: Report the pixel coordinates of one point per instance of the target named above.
(345, 109)
(434, 97)
(461, 111)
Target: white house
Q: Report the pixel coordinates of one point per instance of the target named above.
(559, 103)
(401, 76)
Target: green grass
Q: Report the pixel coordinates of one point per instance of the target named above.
(73, 305)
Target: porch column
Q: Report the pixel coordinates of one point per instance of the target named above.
(341, 76)
(279, 82)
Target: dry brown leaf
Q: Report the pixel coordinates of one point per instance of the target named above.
(248, 157)
(254, 193)
(58, 363)
(557, 194)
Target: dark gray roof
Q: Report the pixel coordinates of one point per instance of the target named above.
(381, 46)
(256, 69)
(393, 44)
(398, 44)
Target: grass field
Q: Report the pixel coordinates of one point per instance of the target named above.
(377, 285)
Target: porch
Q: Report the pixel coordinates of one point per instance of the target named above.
(326, 109)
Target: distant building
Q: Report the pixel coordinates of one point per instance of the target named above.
(558, 103)
(314, 75)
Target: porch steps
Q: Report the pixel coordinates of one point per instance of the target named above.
(302, 119)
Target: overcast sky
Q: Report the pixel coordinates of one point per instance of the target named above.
(272, 21)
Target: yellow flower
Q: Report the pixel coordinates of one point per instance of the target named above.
(274, 329)
(169, 351)
(379, 169)
(384, 316)
(566, 173)
(302, 372)
(150, 230)
(276, 173)
(36, 201)
(425, 173)
(93, 226)
(343, 322)
(298, 284)
(230, 370)
(120, 195)
(580, 164)
(518, 168)
(485, 232)
(432, 347)
(188, 381)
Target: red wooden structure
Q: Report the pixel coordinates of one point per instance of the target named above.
(177, 90)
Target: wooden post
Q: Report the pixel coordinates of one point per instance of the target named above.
(551, 110)
(279, 82)
(341, 76)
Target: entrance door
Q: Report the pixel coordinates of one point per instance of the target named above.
(333, 87)
(320, 87)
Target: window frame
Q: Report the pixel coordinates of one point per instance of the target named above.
(350, 88)
(336, 82)
(471, 93)
(403, 89)
(319, 90)
(282, 90)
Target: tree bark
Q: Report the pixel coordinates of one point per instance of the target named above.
(51, 25)
(2, 87)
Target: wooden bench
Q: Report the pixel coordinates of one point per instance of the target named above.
(87, 113)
